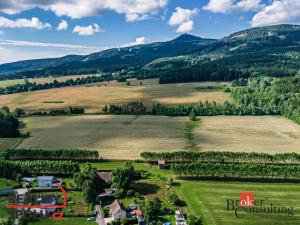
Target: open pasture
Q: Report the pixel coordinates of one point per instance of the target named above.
(209, 199)
(126, 136)
(93, 97)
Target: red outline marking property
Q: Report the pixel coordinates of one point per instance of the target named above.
(14, 206)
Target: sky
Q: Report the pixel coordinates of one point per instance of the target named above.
(31, 29)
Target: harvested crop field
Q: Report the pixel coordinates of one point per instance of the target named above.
(247, 134)
(125, 136)
(94, 97)
(116, 137)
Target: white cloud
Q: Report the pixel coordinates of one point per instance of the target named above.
(280, 11)
(34, 23)
(138, 41)
(47, 45)
(185, 27)
(227, 6)
(63, 25)
(183, 18)
(135, 17)
(16, 50)
(87, 30)
(83, 8)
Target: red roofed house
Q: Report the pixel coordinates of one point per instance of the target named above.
(161, 164)
(116, 211)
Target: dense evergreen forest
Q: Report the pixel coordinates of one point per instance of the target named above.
(271, 96)
(9, 123)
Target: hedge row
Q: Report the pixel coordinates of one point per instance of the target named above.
(54, 154)
(223, 157)
(236, 170)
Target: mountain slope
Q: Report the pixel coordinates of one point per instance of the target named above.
(271, 51)
(268, 51)
(108, 60)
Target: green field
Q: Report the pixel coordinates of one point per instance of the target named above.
(6, 143)
(209, 199)
(4, 183)
(66, 221)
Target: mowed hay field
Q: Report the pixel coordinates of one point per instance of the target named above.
(125, 136)
(94, 97)
(247, 134)
(209, 199)
(115, 137)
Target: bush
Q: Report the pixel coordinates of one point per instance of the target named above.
(192, 220)
(130, 193)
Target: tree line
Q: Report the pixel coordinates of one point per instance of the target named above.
(200, 109)
(57, 112)
(9, 123)
(10, 169)
(236, 170)
(28, 86)
(222, 157)
(271, 96)
(51, 154)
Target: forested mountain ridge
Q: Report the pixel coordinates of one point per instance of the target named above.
(109, 60)
(263, 51)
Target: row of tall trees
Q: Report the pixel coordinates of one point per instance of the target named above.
(271, 96)
(223, 157)
(200, 109)
(57, 112)
(28, 86)
(10, 169)
(135, 107)
(50, 154)
(236, 170)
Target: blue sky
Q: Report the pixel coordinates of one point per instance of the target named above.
(31, 29)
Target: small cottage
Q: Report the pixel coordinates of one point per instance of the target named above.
(161, 164)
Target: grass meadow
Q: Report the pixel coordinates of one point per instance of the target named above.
(209, 199)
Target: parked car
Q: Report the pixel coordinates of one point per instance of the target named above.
(91, 219)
